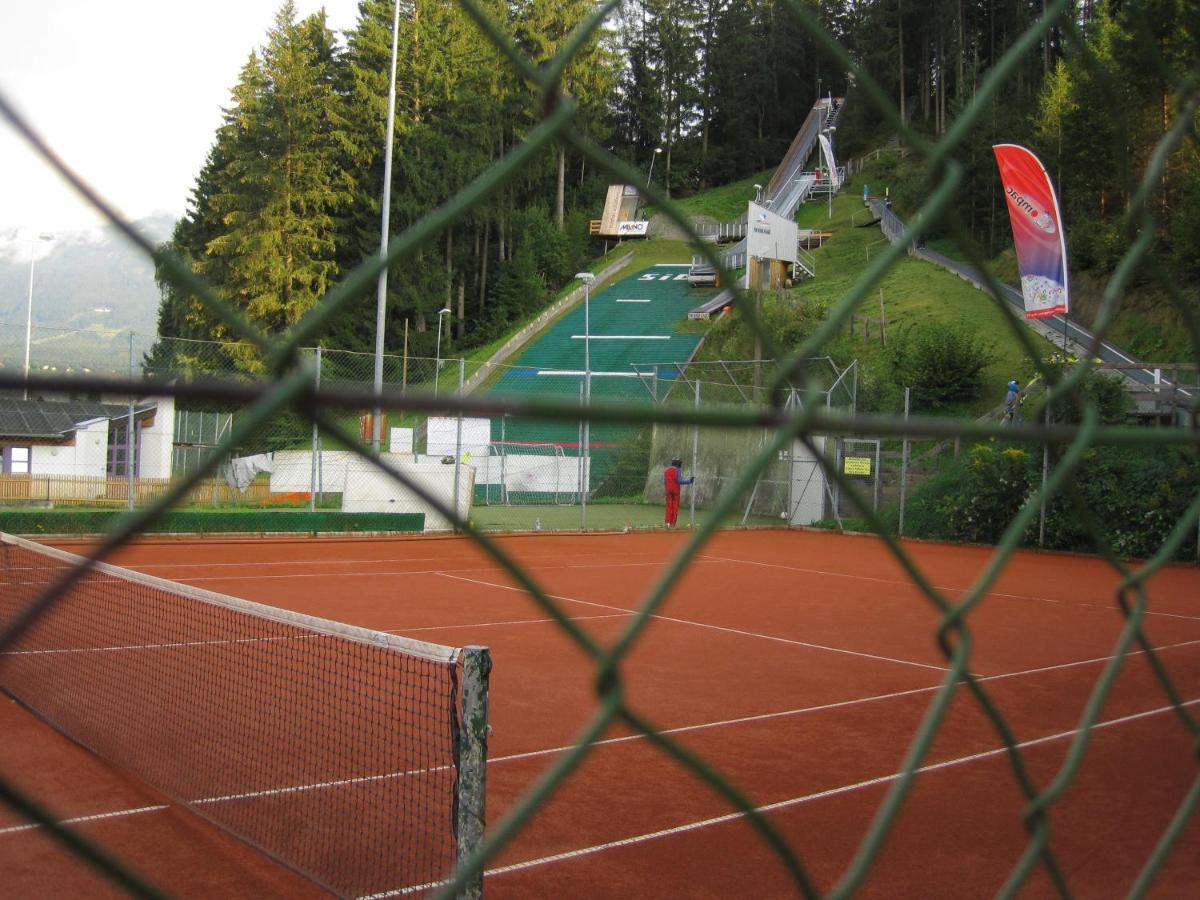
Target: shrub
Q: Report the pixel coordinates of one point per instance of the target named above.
(1107, 392)
(995, 483)
(943, 363)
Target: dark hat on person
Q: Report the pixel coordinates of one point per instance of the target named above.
(676, 461)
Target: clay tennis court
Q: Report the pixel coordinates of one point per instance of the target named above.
(799, 664)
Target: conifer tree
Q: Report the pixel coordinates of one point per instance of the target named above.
(285, 180)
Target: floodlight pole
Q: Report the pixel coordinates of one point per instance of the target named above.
(653, 157)
(585, 451)
(437, 362)
(381, 291)
(29, 304)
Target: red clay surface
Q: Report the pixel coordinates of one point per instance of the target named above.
(799, 664)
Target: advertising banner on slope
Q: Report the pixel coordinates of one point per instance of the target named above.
(830, 162)
(1037, 227)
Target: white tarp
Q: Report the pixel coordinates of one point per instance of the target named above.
(241, 470)
(367, 489)
(400, 440)
(530, 473)
(441, 436)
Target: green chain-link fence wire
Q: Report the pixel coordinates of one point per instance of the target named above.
(286, 386)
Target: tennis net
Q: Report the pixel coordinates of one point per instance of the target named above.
(354, 757)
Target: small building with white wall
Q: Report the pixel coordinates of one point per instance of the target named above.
(77, 446)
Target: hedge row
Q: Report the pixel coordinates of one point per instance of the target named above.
(100, 521)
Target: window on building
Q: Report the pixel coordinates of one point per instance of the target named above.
(118, 447)
(17, 460)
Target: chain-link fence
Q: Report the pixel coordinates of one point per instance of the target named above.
(562, 475)
(752, 458)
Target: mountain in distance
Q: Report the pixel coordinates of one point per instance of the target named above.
(84, 279)
(90, 290)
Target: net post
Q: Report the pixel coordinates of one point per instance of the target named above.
(472, 762)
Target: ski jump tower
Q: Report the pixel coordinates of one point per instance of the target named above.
(790, 185)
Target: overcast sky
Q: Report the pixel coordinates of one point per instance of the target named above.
(128, 92)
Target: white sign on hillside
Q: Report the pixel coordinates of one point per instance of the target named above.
(769, 236)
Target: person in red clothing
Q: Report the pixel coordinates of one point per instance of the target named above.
(672, 479)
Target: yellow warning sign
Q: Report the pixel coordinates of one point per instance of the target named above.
(857, 465)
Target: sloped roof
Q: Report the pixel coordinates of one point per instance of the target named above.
(55, 420)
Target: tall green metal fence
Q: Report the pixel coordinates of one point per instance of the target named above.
(286, 401)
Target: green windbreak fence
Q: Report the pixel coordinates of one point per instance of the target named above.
(280, 401)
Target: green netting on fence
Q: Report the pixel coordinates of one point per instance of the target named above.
(185, 522)
(279, 380)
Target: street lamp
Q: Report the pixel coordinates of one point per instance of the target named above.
(587, 278)
(585, 451)
(29, 304)
(381, 288)
(437, 366)
(657, 150)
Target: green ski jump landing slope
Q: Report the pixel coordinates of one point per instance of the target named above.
(634, 321)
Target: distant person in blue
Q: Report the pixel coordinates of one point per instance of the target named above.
(672, 480)
(1012, 401)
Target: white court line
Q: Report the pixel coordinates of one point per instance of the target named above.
(737, 631)
(176, 645)
(621, 337)
(296, 789)
(79, 820)
(909, 583)
(633, 300)
(146, 567)
(441, 571)
(791, 802)
(403, 630)
(826, 707)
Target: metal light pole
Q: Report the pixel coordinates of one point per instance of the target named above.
(585, 451)
(437, 365)
(29, 304)
(381, 292)
(654, 156)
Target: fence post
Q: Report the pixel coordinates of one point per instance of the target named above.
(586, 450)
(904, 464)
(793, 405)
(462, 370)
(878, 478)
(503, 463)
(312, 477)
(579, 467)
(1045, 473)
(695, 454)
(130, 434)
